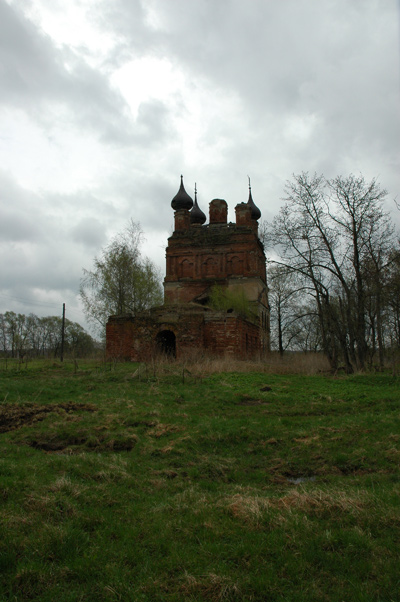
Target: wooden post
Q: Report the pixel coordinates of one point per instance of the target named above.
(62, 334)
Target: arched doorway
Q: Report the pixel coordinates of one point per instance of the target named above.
(166, 342)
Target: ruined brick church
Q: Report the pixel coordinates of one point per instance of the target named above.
(200, 257)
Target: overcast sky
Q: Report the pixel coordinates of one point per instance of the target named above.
(104, 103)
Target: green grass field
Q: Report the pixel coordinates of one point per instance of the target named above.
(147, 484)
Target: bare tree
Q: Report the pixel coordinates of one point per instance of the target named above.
(285, 293)
(326, 233)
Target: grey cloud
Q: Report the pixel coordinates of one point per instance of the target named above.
(144, 197)
(128, 20)
(152, 125)
(53, 84)
(40, 79)
(16, 223)
(329, 60)
(264, 49)
(46, 240)
(54, 265)
(89, 232)
(34, 218)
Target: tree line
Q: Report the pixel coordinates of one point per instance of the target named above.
(22, 335)
(334, 271)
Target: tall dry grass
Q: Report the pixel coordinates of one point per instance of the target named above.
(201, 364)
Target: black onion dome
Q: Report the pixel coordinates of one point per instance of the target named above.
(181, 200)
(196, 215)
(255, 212)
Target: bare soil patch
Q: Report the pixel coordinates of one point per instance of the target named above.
(246, 400)
(15, 416)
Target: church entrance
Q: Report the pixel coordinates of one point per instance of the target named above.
(166, 343)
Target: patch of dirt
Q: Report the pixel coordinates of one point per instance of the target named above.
(15, 416)
(170, 474)
(57, 445)
(75, 444)
(147, 423)
(246, 400)
(209, 587)
(162, 430)
(306, 440)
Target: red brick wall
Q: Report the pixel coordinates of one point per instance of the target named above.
(217, 333)
(232, 336)
(198, 258)
(218, 212)
(182, 219)
(119, 331)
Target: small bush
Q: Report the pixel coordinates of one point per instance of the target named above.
(234, 299)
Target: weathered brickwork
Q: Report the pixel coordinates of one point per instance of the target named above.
(119, 332)
(192, 329)
(199, 257)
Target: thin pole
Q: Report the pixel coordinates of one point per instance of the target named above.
(62, 334)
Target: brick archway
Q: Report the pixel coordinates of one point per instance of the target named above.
(166, 343)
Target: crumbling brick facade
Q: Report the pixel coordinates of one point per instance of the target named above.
(200, 257)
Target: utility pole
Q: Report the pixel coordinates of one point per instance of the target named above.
(62, 334)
